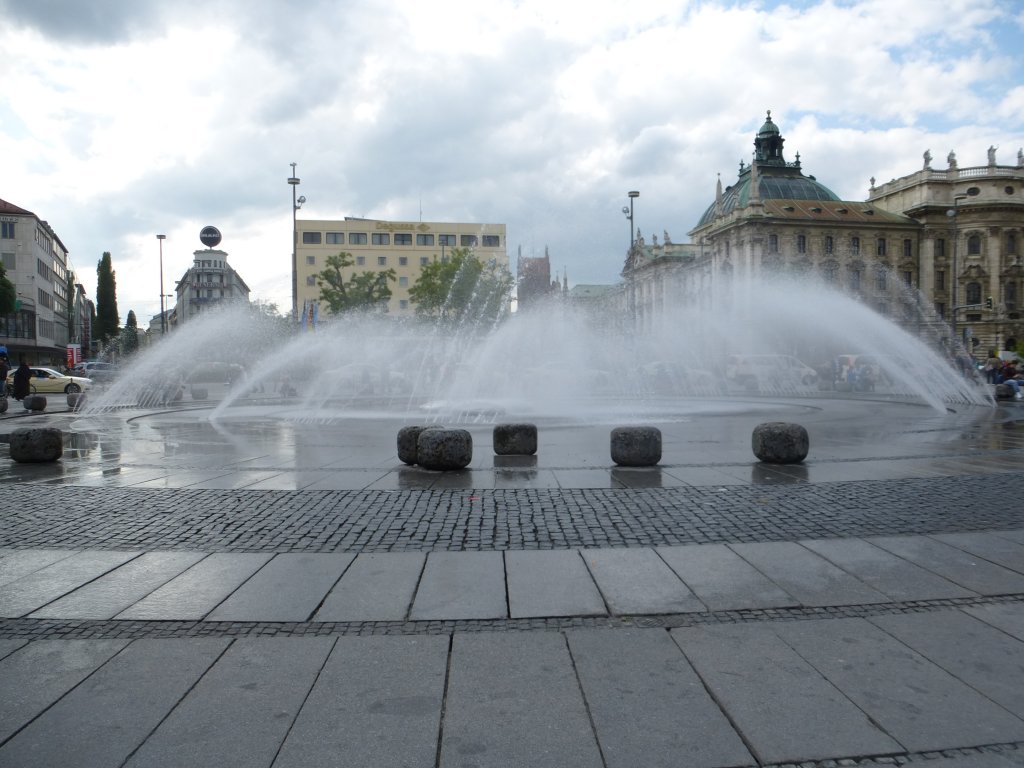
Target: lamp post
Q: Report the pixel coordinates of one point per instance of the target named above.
(163, 317)
(629, 215)
(953, 214)
(297, 202)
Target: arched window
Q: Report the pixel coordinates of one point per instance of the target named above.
(973, 293)
(855, 273)
(801, 243)
(829, 244)
(1011, 242)
(830, 271)
(855, 245)
(880, 279)
(973, 245)
(773, 243)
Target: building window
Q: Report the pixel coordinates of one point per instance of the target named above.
(382, 261)
(424, 260)
(907, 248)
(880, 279)
(403, 261)
(855, 245)
(335, 238)
(831, 272)
(7, 230)
(940, 280)
(773, 243)
(403, 303)
(381, 238)
(908, 277)
(311, 280)
(446, 239)
(880, 247)
(357, 238)
(973, 291)
(940, 310)
(311, 238)
(468, 241)
(311, 260)
(10, 260)
(829, 244)
(45, 300)
(940, 248)
(424, 239)
(491, 241)
(801, 243)
(360, 261)
(855, 279)
(973, 245)
(403, 281)
(1010, 296)
(1011, 242)
(403, 238)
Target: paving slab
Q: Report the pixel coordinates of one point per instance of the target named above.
(103, 720)
(377, 586)
(881, 570)
(723, 580)
(994, 548)
(198, 590)
(288, 588)
(34, 590)
(969, 571)
(1009, 617)
(15, 563)
(809, 578)
(550, 583)
(239, 713)
(785, 710)
(637, 581)
(986, 658)
(41, 672)
(648, 706)
(915, 700)
(377, 701)
(7, 647)
(1013, 535)
(513, 699)
(461, 585)
(115, 591)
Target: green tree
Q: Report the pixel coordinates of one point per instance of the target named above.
(130, 334)
(364, 291)
(8, 293)
(462, 290)
(107, 317)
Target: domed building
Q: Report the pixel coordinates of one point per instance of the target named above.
(776, 220)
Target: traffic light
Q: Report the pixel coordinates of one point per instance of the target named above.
(988, 303)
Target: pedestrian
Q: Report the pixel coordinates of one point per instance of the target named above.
(5, 369)
(22, 381)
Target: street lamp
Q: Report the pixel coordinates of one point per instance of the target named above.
(293, 180)
(953, 213)
(163, 318)
(629, 215)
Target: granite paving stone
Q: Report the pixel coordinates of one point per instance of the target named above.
(550, 583)
(513, 699)
(288, 588)
(461, 585)
(115, 591)
(987, 659)
(915, 700)
(1009, 617)
(378, 701)
(22, 596)
(885, 572)
(198, 590)
(637, 581)
(995, 549)
(7, 647)
(809, 578)
(38, 674)
(105, 718)
(723, 580)
(377, 586)
(648, 706)
(963, 568)
(785, 710)
(239, 713)
(15, 563)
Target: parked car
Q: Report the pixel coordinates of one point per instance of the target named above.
(97, 370)
(46, 380)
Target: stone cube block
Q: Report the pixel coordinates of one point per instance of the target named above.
(515, 439)
(444, 449)
(636, 446)
(779, 442)
(36, 444)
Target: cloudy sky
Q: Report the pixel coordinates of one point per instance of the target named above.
(121, 119)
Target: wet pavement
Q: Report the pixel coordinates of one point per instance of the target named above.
(275, 588)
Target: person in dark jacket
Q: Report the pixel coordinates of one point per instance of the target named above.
(22, 381)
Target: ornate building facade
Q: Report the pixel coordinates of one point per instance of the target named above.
(952, 236)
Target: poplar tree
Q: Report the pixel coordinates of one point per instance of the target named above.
(107, 317)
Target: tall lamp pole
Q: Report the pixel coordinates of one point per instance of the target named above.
(633, 195)
(163, 316)
(293, 180)
(953, 214)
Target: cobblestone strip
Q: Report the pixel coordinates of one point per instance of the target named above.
(37, 629)
(382, 521)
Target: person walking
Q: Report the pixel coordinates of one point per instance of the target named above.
(5, 369)
(22, 381)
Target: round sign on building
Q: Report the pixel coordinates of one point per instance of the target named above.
(210, 237)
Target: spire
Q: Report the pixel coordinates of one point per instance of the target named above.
(755, 184)
(718, 195)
